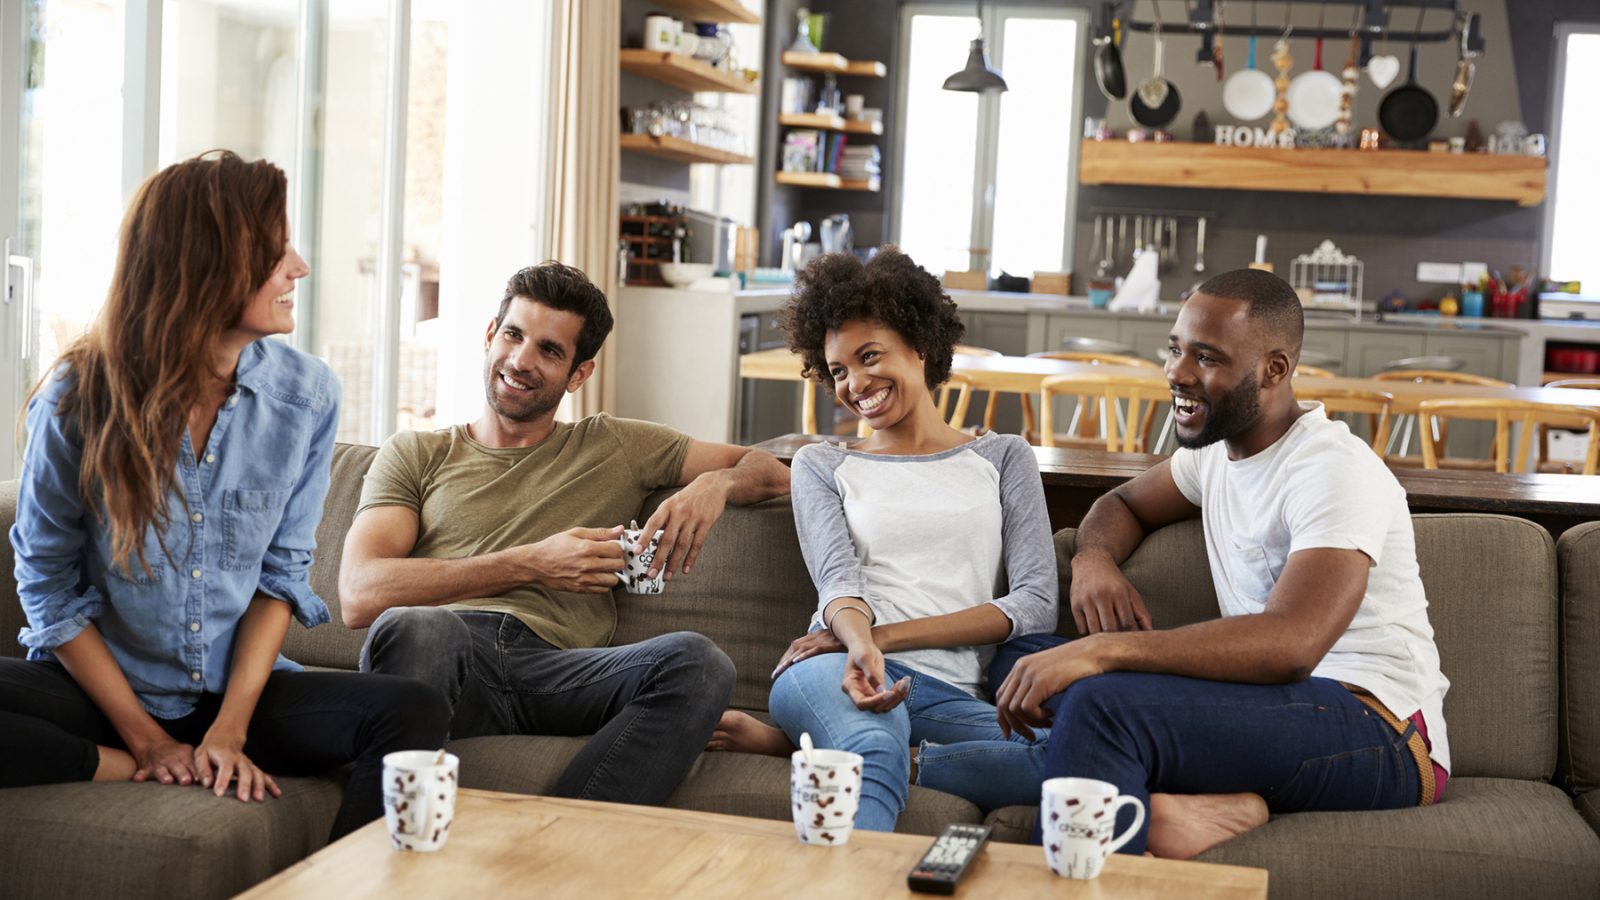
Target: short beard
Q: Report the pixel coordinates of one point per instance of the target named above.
(539, 403)
(1234, 412)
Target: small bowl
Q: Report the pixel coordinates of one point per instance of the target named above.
(685, 274)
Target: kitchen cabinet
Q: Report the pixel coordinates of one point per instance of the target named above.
(1059, 327)
(1370, 352)
(1481, 357)
(1328, 342)
(1147, 337)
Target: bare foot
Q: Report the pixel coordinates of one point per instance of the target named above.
(1183, 826)
(747, 734)
(115, 765)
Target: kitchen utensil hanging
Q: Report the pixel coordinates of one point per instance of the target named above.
(1409, 112)
(1350, 83)
(1465, 67)
(1108, 72)
(1155, 103)
(1247, 95)
(1314, 95)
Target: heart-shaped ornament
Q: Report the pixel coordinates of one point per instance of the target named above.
(1383, 70)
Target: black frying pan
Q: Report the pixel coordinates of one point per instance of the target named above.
(1108, 69)
(1409, 112)
(1157, 117)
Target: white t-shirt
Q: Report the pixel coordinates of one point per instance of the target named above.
(1321, 486)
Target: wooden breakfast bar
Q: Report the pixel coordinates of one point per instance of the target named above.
(1075, 478)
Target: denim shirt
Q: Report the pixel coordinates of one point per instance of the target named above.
(254, 498)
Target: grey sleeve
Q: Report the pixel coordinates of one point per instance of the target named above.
(1033, 601)
(824, 535)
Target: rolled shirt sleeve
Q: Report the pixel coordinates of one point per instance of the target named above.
(286, 565)
(49, 533)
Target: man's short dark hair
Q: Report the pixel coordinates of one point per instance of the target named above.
(890, 289)
(1271, 304)
(565, 288)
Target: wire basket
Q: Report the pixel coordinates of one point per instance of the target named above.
(1327, 280)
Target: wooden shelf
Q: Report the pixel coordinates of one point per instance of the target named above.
(712, 11)
(830, 123)
(683, 71)
(1402, 173)
(827, 181)
(680, 150)
(833, 62)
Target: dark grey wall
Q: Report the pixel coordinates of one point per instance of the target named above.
(637, 91)
(1390, 234)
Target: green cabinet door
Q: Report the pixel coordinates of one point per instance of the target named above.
(1481, 353)
(1147, 337)
(1370, 352)
(1059, 326)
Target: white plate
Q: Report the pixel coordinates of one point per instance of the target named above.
(1314, 99)
(1248, 94)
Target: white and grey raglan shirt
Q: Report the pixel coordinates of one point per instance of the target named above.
(919, 536)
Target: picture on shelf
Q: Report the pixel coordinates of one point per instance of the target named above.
(802, 150)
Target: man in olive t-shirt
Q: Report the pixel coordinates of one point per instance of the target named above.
(484, 555)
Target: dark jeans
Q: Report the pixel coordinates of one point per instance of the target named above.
(306, 723)
(1305, 746)
(650, 706)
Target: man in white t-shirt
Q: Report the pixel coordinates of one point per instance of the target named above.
(1319, 687)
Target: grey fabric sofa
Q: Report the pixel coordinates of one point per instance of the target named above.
(1519, 632)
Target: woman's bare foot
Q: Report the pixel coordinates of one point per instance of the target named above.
(115, 765)
(1183, 826)
(747, 734)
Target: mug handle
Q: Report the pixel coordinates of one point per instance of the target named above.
(1138, 822)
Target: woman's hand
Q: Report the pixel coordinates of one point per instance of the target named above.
(220, 759)
(864, 680)
(820, 641)
(165, 760)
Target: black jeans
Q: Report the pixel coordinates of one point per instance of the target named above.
(306, 723)
(651, 706)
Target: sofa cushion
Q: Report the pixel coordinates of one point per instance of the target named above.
(749, 591)
(117, 840)
(1578, 562)
(741, 784)
(1489, 838)
(1491, 589)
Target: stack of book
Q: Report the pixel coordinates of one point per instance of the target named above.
(861, 162)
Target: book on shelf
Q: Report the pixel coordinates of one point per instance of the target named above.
(802, 150)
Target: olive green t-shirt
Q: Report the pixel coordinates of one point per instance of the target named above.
(473, 500)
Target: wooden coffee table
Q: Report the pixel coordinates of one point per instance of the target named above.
(504, 844)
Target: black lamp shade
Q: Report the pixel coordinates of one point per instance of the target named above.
(977, 76)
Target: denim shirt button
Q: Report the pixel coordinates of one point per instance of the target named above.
(194, 676)
(194, 626)
(194, 573)
(197, 517)
(211, 457)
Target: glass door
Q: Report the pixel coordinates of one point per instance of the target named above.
(60, 182)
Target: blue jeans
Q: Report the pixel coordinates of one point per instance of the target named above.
(1305, 746)
(650, 706)
(962, 750)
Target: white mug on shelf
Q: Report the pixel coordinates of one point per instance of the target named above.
(660, 33)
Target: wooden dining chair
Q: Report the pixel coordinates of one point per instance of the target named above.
(1127, 433)
(1545, 463)
(1306, 371)
(1528, 414)
(1405, 425)
(1084, 427)
(1375, 405)
(959, 387)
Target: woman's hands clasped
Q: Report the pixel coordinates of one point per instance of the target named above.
(218, 762)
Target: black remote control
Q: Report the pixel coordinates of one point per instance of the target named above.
(947, 860)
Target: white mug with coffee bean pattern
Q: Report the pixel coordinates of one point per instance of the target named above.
(419, 798)
(1077, 817)
(635, 576)
(824, 793)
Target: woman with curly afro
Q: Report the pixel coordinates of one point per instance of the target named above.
(928, 547)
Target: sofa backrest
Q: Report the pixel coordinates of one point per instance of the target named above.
(1491, 586)
(1578, 564)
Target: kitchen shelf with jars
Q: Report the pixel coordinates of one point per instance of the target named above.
(823, 144)
(696, 56)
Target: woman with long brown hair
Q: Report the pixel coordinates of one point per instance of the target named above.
(174, 470)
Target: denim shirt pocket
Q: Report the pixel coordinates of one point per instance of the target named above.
(135, 573)
(249, 520)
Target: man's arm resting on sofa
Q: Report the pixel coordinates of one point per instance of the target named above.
(378, 573)
(713, 476)
(1102, 598)
(1308, 610)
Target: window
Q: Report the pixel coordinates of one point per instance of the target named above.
(986, 181)
(1571, 229)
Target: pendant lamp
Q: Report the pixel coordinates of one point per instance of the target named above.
(977, 75)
